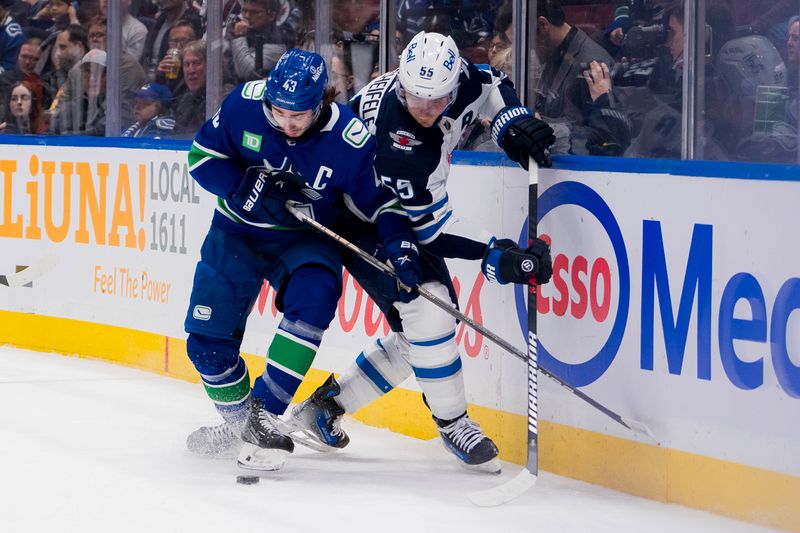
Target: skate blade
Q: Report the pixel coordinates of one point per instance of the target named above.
(492, 466)
(251, 457)
(301, 435)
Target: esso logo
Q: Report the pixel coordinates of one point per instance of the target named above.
(584, 288)
(579, 287)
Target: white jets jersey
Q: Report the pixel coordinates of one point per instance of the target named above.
(415, 161)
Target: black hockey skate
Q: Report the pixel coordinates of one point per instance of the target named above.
(464, 439)
(265, 447)
(222, 441)
(316, 422)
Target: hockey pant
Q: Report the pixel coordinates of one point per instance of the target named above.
(227, 281)
(427, 347)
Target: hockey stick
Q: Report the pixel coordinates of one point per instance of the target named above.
(633, 425)
(526, 478)
(28, 274)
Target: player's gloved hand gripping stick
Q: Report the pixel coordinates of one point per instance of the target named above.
(633, 425)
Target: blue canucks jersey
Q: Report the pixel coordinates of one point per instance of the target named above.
(414, 161)
(11, 38)
(335, 158)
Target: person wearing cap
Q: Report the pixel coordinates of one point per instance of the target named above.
(86, 113)
(151, 108)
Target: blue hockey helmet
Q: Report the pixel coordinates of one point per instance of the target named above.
(298, 81)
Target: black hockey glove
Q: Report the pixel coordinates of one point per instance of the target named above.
(402, 253)
(263, 194)
(505, 262)
(521, 135)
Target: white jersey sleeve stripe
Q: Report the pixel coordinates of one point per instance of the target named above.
(416, 213)
(429, 233)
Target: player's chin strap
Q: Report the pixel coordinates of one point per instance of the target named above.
(633, 425)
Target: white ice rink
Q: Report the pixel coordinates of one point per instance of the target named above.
(94, 447)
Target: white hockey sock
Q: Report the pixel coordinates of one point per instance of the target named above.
(433, 353)
(377, 370)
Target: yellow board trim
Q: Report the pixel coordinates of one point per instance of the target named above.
(742, 492)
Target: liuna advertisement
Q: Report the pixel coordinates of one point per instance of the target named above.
(120, 231)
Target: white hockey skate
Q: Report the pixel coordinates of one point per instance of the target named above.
(216, 442)
(463, 438)
(316, 421)
(265, 447)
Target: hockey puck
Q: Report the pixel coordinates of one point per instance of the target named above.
(247, 480)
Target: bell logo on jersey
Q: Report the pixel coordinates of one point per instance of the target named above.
(403, 140)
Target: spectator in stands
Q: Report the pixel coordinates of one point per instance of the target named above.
(25, 70)
(500, 43)
(562, 49)
(169, 71)
(55, 16)
(657, 105)
(25, 108)
(753, 71)
(134, 33)
(130, 71)
(144, 8)
(65, 52)
(582, 123)
(11, 39)
(18, 9)
(190, 108)
(256, 41)
(151, 109)
(342, 76)
(767, 17)
(85, 114)
(156, 45)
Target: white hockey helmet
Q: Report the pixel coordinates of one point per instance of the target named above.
(430, 66)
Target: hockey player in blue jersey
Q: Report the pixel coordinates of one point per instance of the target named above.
(283, 138)
(417, 114)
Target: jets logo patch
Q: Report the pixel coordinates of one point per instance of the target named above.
(403, 140)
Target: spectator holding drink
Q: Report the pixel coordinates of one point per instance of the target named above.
(169, 71)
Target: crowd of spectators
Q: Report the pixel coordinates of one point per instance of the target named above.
(607, 74)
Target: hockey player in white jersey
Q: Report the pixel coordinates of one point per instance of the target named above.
(417, 114)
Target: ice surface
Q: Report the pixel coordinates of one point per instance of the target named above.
(90, 446)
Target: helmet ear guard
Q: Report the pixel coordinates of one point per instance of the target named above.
(430, 66)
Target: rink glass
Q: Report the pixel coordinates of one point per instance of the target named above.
(673, 103)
